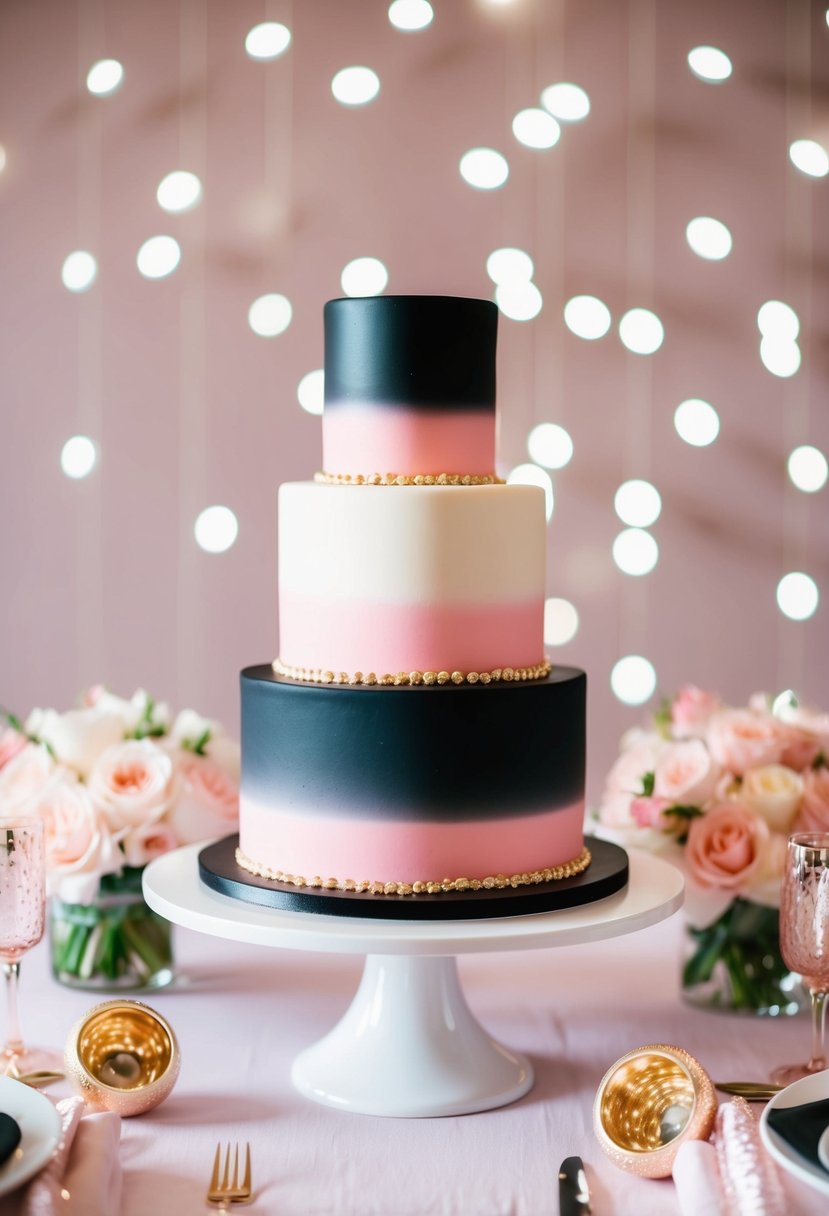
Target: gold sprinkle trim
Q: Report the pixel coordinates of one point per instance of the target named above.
(365, 886)
(407, 479)
(316, 675)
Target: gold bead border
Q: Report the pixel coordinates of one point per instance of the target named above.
(316, 675)
(407, 479)
(493, 882)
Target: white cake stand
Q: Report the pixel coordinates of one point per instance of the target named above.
(409, 1045)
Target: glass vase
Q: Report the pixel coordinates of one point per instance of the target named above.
(735, 964)
(116, 943)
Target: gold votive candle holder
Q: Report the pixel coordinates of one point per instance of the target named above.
(648, 1104)
(123, 1056)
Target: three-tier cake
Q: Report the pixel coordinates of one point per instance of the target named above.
(412, 738)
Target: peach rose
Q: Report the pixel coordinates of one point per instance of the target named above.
(11, 742)
(207, 804)
(132, 783)
(147, 842)
(725, 845)
(740, 739)
(774, 791)
(685, 773)
(23, 777)
(77, 737)
(814, 808)
(691, 711)
(764, 885)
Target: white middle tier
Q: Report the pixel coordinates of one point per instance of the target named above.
(390, 579)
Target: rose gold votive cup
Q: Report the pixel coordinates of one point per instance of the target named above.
(122, 1056)
(649, 1103)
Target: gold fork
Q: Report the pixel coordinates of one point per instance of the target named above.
(224, 1188)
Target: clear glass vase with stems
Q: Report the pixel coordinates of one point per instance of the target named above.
(804, 936)
(22, 917)
(736, 965)
(116, 942)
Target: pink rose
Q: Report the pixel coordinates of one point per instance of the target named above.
(814, 807)
(92, 695)
(79, 845)
(691, 710)
(685, 773)
(740, 739)
(23, 777)
(11, 742)
(725, 846)
(147, 842)
(207, 804)
(132, 783)
(647, 812)
(800, 749)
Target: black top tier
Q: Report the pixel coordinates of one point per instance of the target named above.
(426, 351)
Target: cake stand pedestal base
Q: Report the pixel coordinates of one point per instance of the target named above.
(409, 1045)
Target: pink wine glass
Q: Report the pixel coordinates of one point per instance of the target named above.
(22, 919)
(804, 936)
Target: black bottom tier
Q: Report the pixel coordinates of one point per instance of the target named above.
(606, 875)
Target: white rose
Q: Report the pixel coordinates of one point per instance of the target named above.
(190, 726)
(132, 783)
(685, 773)
(23, 777)
(624, 781)
(154, 714)
(775, 792)
(79, 736)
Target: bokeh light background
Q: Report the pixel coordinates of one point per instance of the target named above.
(147, 555)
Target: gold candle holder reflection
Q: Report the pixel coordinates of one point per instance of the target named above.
(123, 1056)
(649, 1103)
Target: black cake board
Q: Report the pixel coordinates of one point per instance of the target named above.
(606, 874)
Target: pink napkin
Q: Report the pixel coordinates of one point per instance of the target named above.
(84, 1176)
(734, 1176)
(697, 1178)
(752, 1186)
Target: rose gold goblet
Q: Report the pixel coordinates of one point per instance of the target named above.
(804, 936)
(22, 919)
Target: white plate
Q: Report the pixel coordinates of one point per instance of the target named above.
(809, 1089)
(40, 1129)
(823, 1150)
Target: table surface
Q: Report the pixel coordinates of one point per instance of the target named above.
(242, 1013)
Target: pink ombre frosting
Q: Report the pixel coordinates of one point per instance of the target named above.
(393, 439)
(415, 851)
(359, 635)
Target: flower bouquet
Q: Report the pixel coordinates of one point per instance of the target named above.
(718, 790)
(116, 784)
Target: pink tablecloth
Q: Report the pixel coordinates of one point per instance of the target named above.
(242, 1013)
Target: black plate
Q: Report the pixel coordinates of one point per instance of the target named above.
(606, 874)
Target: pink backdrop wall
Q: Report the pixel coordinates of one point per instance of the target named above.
(102, 580)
